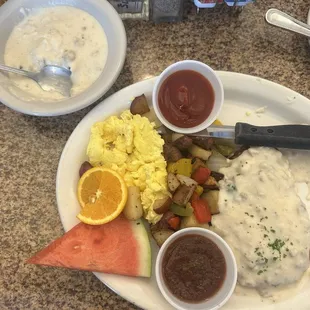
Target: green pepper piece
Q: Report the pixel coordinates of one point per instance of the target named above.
(182, 211)
(225, 150)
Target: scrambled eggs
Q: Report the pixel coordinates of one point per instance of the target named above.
(130, 145)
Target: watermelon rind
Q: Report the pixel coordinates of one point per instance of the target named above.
(145, 253)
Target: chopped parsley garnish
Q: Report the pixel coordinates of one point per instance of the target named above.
(231, 187)
(277, 245)
(261, 271)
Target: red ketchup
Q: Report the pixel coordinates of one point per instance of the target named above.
(186, 98)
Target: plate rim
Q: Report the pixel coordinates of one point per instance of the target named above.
(226, 74)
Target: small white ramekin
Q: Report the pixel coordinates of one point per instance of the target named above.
(225, 292)
(209, 74)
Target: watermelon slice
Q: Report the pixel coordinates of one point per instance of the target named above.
(120, 247)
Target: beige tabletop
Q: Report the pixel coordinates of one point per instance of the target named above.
(31, 146)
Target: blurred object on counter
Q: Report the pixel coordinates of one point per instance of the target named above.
(132, 9)
(167, 11)
(162, 11)
(205, 4)
(238, 2)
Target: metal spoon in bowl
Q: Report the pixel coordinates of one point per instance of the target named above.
(285, 21)
(50, 78)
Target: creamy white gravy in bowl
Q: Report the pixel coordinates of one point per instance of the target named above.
(63, 36)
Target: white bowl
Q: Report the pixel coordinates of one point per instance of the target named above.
(225, 292)
(209, 74)
(11, 13)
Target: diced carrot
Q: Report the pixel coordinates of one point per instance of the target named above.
(201, 211)
(174, 222)
(201, 175)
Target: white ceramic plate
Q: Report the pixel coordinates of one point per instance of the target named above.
(243, 95)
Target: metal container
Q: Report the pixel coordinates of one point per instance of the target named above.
(132, 9)
(167, 10)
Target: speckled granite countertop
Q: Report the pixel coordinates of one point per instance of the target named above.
(31, 146)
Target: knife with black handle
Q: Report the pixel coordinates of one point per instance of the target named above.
(281, 136)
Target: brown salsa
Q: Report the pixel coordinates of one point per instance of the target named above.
(186, 98)
(193, 268)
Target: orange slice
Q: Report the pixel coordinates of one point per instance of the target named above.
(102, 194)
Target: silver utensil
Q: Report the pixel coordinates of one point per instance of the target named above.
(50, 78)
(280, 19)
